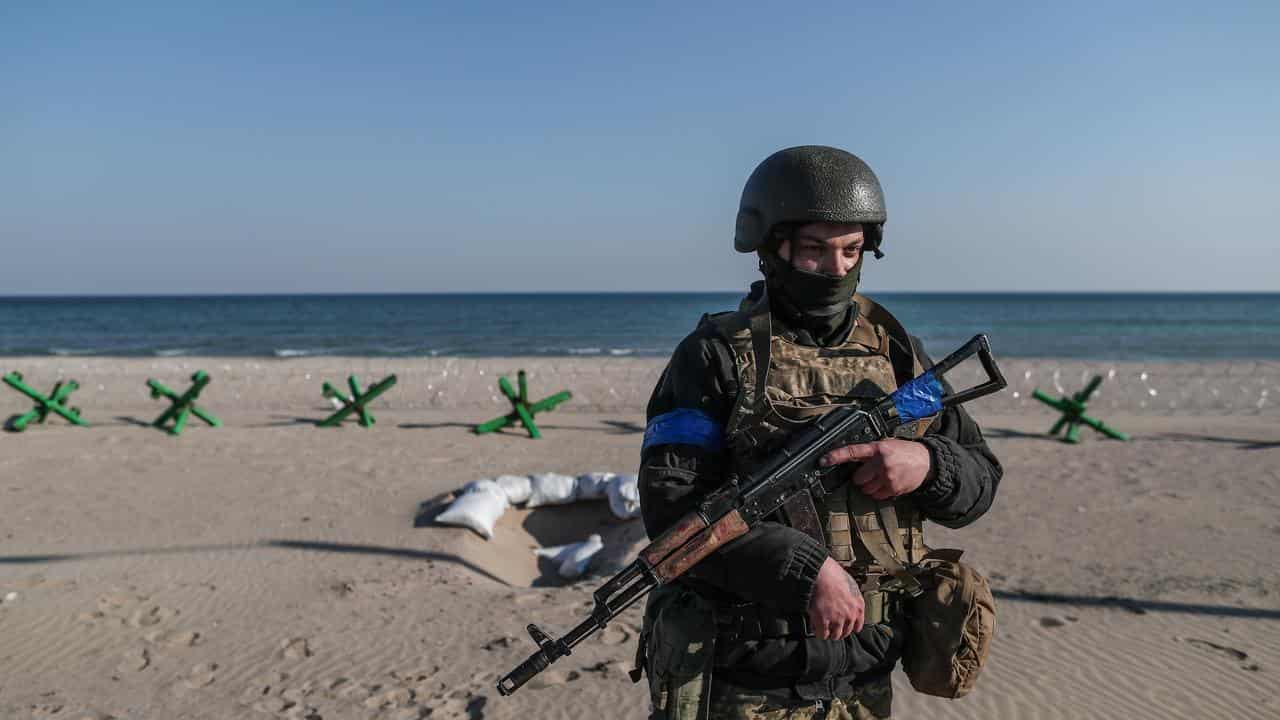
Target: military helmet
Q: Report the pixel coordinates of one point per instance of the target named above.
(809, 183)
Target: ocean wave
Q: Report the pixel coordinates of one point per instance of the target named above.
(395, 350)
(69, 352)
(294, 352)
(584, 351)
(621, 351)
(171, 352)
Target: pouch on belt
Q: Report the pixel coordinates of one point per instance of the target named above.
(951, 626)
(679, 636)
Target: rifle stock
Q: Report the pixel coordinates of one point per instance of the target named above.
(711, 538)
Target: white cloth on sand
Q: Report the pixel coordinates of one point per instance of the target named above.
(573, 559)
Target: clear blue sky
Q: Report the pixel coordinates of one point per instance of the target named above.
(420, 147)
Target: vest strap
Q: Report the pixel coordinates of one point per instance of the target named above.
(761, 326)
(888, 516)
(761, 341)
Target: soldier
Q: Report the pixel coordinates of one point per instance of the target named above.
(775, 625)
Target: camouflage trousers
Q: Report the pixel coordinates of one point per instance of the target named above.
(872, 702)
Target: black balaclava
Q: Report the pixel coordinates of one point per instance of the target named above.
(815, 302)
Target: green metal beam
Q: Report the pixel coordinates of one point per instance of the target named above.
(522, 411)
(182, 406)
(357, 402)
(1073, 413)
(55, 403)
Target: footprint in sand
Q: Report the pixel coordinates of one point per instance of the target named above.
(410, 713)
(94, 715)
(1226, 650)
(286, 709)
(357, 692)
(173, 638)
(262, 687)
(94, 617)
(332, 686)
(615, 668)
(295, 648)
(302, 712)
(503, 642)
(271, 705)
(1051, 622)
(614, 636)
(298, 695)
(134, 660)
(201, 675)
(553, 678)
(117, 600)
(394, 698)
(448, 708)
(149, 615)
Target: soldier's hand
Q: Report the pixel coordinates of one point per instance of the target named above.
(836, 608)
(889, 468)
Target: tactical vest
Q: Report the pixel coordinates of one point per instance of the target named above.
(866, 536)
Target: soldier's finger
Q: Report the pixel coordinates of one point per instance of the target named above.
(866, 473)
(851, 453)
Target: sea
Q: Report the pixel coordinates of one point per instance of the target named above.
(1111, 326)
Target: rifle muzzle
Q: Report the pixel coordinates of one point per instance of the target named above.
(513, 680)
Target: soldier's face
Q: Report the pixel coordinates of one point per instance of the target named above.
(828, 248)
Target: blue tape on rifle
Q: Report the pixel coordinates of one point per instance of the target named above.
(684, 426)
(919, 398)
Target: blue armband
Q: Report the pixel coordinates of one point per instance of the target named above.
(684, 426)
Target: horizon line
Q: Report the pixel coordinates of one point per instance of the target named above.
(461, 293)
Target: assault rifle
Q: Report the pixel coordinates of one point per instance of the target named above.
(791, 477)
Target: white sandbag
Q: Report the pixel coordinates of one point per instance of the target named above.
(593, 485)
(479, 507)
(576, 561)
(624, 496)
(572, 560)
(517, 487)
(551, 489)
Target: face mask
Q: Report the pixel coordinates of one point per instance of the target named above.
(814, 294)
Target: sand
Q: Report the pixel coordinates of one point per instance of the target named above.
(269, 568)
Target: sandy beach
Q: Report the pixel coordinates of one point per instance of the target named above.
(269, 568)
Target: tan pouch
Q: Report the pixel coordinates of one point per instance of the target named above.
(951, 626)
